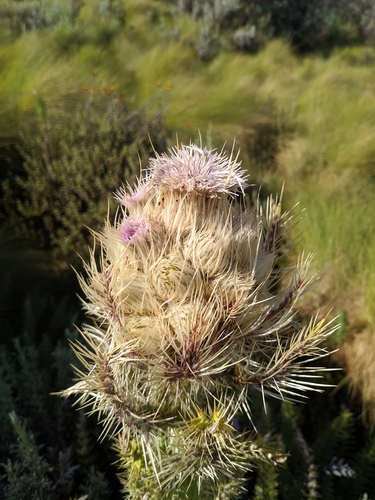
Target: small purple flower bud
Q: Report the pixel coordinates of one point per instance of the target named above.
(133, 230)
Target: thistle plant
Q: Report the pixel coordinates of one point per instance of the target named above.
(192, 311)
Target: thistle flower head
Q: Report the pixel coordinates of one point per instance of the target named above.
(190, 316)
(189, 170)
(198, 171)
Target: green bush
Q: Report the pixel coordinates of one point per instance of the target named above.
(99, 24)
(70, 162)
(234, 25)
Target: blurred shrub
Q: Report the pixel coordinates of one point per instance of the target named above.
(105, 9)
(99, 22)
(245, 38)
(102, 22)
(21, 16)
(70, 162)
(207, 44)
(70, 37)
(320, 25)
(367, 19)
(233, 24)
(358, 56)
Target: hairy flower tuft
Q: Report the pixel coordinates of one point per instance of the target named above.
(194, 170)
(189, 170)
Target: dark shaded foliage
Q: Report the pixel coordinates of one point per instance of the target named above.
(308, 26)
(331, 454)
(69, 165)
(48, 450)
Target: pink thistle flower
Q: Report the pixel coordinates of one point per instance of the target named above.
(196, 171)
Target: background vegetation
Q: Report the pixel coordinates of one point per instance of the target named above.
(83, 85)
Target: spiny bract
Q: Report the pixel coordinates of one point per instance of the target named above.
(187, 321)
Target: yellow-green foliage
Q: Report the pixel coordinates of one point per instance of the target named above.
(327, 165)
(228, 91)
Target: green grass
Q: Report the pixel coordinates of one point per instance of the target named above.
(336, 227)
